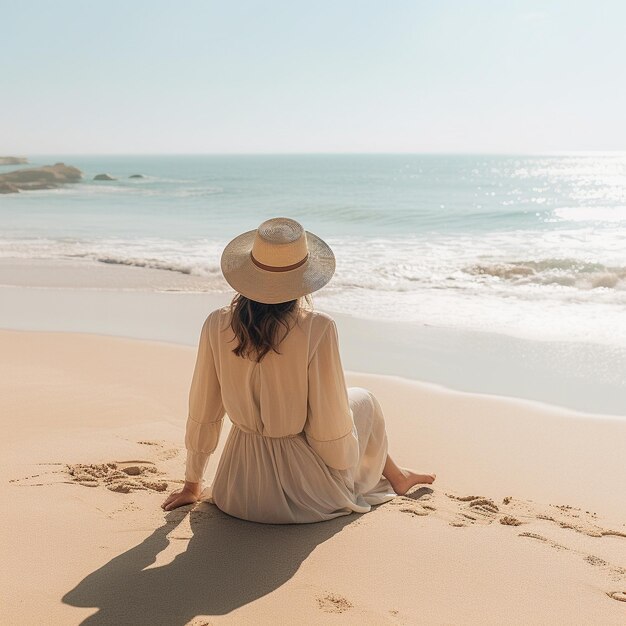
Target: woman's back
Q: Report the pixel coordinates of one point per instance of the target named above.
(270, 397)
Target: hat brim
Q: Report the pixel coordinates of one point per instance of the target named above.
(274, 287)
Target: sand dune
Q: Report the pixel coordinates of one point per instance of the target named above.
(525, 524)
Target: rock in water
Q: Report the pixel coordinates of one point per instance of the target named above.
(47, 177)
(13, 160)
(8, 188)
(103, 177)
(137, 176)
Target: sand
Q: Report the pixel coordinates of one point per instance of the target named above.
(524, 525)
(580, 376)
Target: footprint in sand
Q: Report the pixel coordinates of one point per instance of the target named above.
(415, 502)
(121, 476)
(564, 516)
(615, 572)
(414, 511)
(463, 511)
(473, 509)
(333, 603)
(584, 526)
(458, 511)
(553, 544)
(424, 495)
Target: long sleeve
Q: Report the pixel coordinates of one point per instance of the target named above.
(206, 411)
(330, 428)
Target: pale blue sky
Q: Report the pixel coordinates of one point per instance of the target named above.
(319, 76)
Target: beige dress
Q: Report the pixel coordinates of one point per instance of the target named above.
(302, 447)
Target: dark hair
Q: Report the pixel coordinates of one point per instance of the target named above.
(257, 326)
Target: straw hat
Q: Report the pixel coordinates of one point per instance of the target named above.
(277, 262)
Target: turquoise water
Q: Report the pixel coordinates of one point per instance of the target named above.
(532, 246)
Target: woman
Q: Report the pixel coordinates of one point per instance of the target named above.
(302, 448)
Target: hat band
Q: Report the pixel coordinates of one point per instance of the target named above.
(278, 268)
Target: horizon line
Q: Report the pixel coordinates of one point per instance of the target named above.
(322, 153)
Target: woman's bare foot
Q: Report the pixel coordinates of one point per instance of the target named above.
(407, 478)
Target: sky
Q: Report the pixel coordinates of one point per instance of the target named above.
(274, 76)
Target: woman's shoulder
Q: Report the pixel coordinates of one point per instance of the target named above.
(317, 326)
(220, 312)
(218, 318)
(317, 318)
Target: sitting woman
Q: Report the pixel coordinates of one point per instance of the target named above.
(302, 447)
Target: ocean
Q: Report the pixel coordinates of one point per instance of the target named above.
(530, 246)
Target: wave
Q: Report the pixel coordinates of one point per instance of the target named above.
(132, 188)
(199, 269)
(152, 263)
(512, 263)
(614, 214)
(565, 272)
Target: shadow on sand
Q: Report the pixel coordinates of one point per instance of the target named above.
(228, 563)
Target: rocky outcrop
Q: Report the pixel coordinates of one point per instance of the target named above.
(47, 177)
(136, 176)
(8, 188)
(103, 177)
(13, 160)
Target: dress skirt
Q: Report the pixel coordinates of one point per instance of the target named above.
(282, 480)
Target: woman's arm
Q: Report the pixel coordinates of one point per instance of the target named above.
(330, 428)
(204, 421)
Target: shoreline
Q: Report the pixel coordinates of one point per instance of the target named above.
(586, 377)
(136, 271)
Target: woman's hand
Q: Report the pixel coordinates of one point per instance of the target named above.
(189, 494)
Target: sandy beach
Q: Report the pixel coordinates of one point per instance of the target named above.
(524, 525)
(448, 183)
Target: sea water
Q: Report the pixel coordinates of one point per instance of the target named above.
(532, 246)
